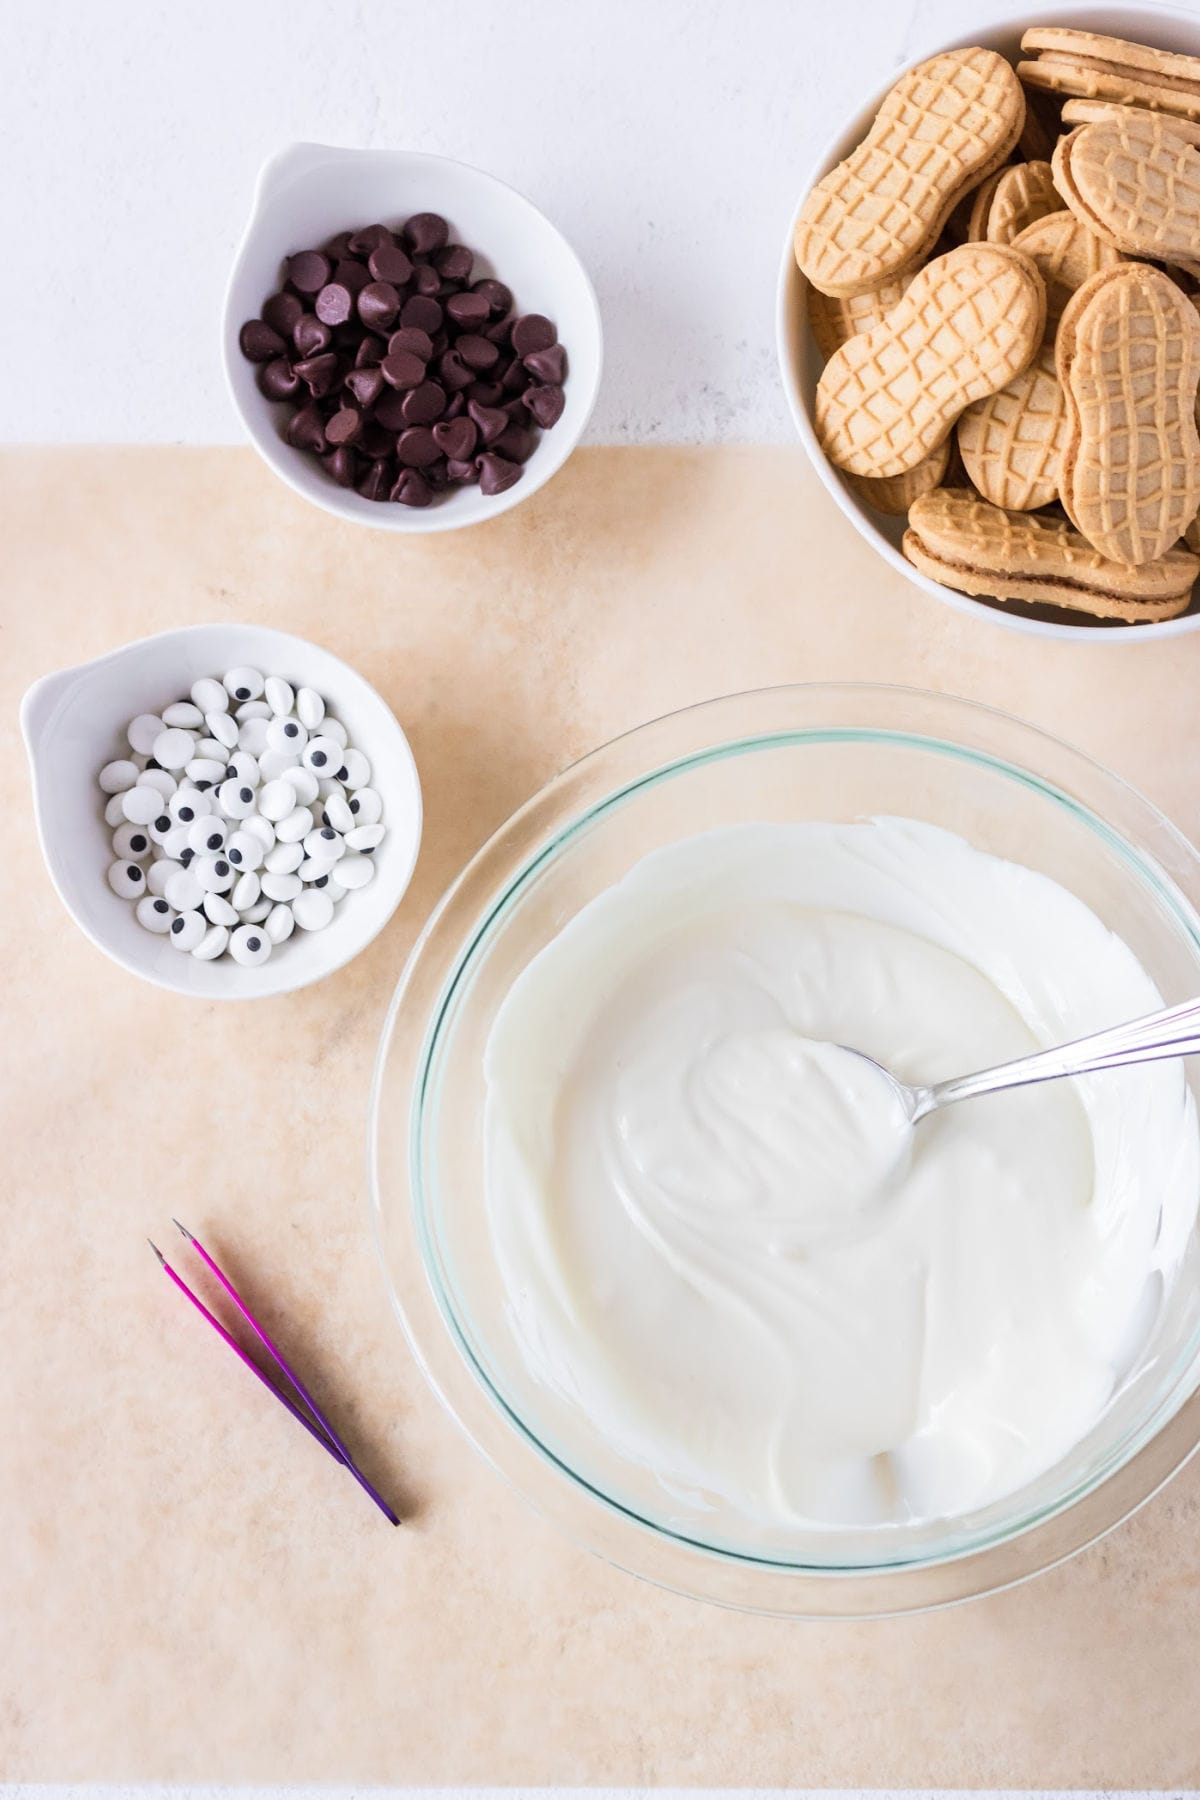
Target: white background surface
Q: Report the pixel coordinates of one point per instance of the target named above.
(667, 138)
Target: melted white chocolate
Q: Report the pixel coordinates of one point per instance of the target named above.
(720, 1240)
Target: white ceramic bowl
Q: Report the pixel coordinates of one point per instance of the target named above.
(800, 360)
(74, 722)
(305, 195)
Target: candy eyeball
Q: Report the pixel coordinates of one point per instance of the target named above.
(154, 913)
(208, 835)
(249, 946)
(244, 684)
(131, 842)
(127, 880)
(231, 813)
(188, 930)
(322, 756)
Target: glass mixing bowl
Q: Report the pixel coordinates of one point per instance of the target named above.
(817, 752)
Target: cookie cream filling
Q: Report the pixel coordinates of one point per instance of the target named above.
(725, 1250)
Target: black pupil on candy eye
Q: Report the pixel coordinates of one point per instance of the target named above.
(321, 881)
(343, 774)
(327, 833)
(253, 944)
(235, 856)
(135, 874)
(214, 842)
(290, 730)
(186, 857)
(319, 758)
(162, 823)
(138, 842)
(222, 868)
(354, 806)
(247, 794)
(160, 906)
(243, 693)
(177, 926)
(186, 814)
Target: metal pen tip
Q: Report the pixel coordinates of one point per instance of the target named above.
(162, 1259)
(183, 1228)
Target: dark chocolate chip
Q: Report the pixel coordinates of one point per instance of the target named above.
(426, 281)
(338, 245)
(456, 406)
(377, 439)
(468, 310)
(344, 427)
(318, 373)
(499, 332)
(487, 393)
(370, 352)
(369, 238)
(334, 304)
(416, 447)
(533, 332)
(388, 262)
(518, 443)
(306, 428)
(375, 485)
(495, 473)
(453, 262)
(259, 342)
(413, 339)
(389, 411)
(498, 297)
(490, 420)
(545, 404)
(453, 372)
(456, 438)
(476, 352)
(513, 377)
(411, 489)
(365, 385)
(548, 365)
(403, 369)
(342, 465)
(281, 311)
(424, 403)
(424, 313)
(352, 274)
(425, 232)
(463, 472)
(311, 336)
(308, 271)
(278, 380)
(378, 304)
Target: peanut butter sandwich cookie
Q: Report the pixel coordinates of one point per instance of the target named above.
(1111, 112)
(956, 538)
(944, 126)
(1012, 442)
(1087, 65)
(1128, 358)
(1134, 181)
(1066, 254)
(834, 321)
(1023, 193)
(969, 322)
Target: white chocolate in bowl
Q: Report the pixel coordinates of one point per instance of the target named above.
(717, 1244)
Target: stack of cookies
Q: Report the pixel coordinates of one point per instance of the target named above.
(1006, 288)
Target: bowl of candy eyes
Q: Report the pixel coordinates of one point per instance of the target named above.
(411, 344)
(226, 811)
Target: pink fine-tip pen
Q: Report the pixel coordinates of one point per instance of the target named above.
(317, 1425)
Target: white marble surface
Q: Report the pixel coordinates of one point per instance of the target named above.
(668, 140)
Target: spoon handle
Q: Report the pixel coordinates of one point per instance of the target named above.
(1173, 1032)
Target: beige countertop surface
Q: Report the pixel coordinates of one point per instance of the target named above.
(189, 1590)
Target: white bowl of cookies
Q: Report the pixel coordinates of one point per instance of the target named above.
(989, 322)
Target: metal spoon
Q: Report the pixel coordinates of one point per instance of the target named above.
(1173, 1032)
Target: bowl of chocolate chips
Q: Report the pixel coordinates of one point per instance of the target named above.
(409, 342)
